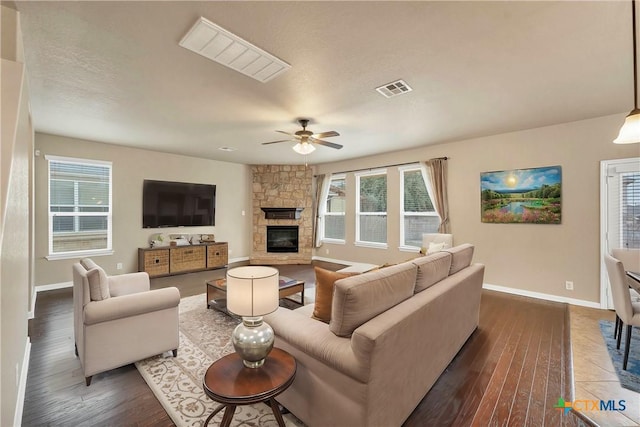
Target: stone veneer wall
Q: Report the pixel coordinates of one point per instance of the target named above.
(282, 186)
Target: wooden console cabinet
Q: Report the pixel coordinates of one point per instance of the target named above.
(166, 261)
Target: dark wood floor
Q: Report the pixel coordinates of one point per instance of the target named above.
(511, 371)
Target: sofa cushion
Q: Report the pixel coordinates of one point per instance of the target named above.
(325, 280)
(431, 269)
(98, 284)
(461, 256)
(358, 299)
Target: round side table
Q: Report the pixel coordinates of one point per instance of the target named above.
(229, 382)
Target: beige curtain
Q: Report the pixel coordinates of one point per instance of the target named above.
(317, 211)
(436, 171)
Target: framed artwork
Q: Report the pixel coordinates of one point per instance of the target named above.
(525, 196)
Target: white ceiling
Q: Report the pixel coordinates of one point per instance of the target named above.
(113, 72)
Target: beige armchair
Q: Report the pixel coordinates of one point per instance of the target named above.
(118, 320)
(437, 239)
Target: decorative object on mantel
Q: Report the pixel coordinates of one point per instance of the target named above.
(282, 213)
(522, 195)
(630, 130)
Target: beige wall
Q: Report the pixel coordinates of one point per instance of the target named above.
(130, 168)
(536, 258)
(17, 146)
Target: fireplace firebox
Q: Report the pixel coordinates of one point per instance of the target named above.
(282, 238)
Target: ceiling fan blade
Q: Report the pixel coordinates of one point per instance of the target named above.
(286, 133)
(326, 143)
(326, 134)
(275, 142)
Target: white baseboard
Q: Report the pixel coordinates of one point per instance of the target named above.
(53, 286)
(540, 295)
(22, 384)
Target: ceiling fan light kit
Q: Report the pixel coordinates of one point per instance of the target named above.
(304, 147)
(630, 131)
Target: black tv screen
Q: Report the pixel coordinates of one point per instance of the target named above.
(177, 204)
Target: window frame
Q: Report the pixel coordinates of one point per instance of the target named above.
(401, 170)
(327, 213)
(50, 215)
(358, 240)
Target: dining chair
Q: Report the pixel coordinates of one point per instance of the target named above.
(629, 312)
(630, 258)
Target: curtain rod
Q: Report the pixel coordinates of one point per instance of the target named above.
(385, 166)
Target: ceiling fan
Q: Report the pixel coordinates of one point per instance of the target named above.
(306, 139)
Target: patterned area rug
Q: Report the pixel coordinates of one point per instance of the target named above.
(631, 377)
(205, 336)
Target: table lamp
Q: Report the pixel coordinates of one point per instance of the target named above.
(252, 292)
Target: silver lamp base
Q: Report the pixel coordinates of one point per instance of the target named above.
(253, 340)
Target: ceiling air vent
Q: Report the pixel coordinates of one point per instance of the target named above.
(394, 88)
(214, 42)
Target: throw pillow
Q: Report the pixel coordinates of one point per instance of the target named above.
(98, 284)
(435, 247)
(325, 279)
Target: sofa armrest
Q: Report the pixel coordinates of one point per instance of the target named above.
(130, 283)
(314, 338)
(130, 305)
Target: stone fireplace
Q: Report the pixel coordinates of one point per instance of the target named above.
(282, 238)
(282, 197)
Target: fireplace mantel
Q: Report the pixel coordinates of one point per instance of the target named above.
(282, 213)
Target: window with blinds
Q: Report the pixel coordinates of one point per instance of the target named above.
(417, 214)
(371, 208)
(630, 210)
(334, 215)
(79, 206)
(623, 205)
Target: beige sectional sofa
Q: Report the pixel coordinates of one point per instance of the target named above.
(392, 333)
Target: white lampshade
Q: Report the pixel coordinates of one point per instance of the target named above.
(252, 290)
(630, 130)
(304, 147)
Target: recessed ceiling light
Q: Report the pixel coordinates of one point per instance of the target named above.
(214, 42)
(392, 89)
(227, 149)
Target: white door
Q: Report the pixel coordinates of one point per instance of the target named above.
(619, 213)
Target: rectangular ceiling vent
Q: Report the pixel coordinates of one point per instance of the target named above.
(394, 88)
(214, 42)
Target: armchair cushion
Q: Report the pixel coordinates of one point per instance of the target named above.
(98, 284)
(130, 305)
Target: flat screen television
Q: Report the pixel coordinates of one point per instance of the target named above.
(177, 204)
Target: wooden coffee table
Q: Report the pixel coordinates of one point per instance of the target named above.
(229, 382)
(217, 292)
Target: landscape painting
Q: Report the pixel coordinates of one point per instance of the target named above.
(529, 196)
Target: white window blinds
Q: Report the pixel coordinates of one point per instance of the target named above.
(79, 206)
